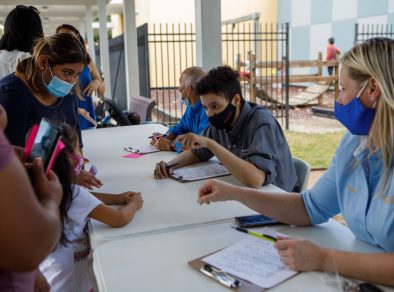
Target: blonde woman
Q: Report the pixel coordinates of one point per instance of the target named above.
(358, 183)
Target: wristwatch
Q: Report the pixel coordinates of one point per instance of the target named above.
(171, 144)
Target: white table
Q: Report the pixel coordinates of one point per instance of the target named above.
(158, 262)
(168, 204)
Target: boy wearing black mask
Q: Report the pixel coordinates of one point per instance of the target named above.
(244, 136)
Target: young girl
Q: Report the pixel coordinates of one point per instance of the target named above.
(66, 268)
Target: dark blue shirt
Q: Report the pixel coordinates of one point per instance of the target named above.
(257, 138)
(24, 109)
(194, 120)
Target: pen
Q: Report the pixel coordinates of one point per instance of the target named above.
(262, 236)
(158, 136)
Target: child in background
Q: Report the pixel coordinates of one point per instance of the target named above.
(66, 268)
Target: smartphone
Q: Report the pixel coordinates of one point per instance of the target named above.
(46, 144)
(254, 221)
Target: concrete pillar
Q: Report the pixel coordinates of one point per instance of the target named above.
(208, 33)
(89, 32)
(131, 51)
(104, 49)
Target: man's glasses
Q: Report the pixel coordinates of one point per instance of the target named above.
(29, 8)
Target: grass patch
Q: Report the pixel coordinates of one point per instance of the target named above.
(317, 149)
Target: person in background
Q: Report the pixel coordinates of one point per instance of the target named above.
(245, 137)
(359, 182)
(66, 268)
(194, 119)
(22, 28)
(43, 86)
(30, 219)
(332, 54)
(90, 82)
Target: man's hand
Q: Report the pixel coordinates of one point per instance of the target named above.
(192, 141)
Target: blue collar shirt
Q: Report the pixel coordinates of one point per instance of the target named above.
(194, 120)
(351, 186)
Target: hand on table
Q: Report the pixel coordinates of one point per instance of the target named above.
(162, 170)
(215, 191)
(125, 197)
(302, 255)
(87, 180)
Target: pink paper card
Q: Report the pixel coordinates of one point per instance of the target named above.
(133, 155)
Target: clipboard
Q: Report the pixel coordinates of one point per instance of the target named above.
(243, 286)
(218, 171)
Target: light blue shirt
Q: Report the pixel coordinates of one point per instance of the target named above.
(351, 186)
(194, 120)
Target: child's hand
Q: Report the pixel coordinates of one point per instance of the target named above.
(87, 180)
(41, 284)
(136, 200)
(123, 198)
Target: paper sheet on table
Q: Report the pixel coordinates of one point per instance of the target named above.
(252, 259)
(144, 149)
(186, 174)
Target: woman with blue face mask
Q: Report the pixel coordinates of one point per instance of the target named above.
(45, 85)
(359, 182)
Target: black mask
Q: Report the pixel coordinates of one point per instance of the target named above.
(224, 119)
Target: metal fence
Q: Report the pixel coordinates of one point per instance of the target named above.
(172, 49)
(367, 31)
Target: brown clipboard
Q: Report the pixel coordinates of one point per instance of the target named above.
(244, 286)
(181, 180)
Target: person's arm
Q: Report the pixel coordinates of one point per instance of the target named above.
(118, 217)
(303, 255)
(98, 84)
(26, 219)
(114, 199)
(242, 170)
(288, 208)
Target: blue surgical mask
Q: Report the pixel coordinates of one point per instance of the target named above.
(58, 87)
(185, 101)
(354, 116)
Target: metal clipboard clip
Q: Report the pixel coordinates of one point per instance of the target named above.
(130, 149)
(220, 276)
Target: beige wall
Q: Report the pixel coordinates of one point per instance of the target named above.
(236, 8)
(182, 11)
(164, 11)
(159, 11)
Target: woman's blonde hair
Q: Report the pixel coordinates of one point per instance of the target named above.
(374, 58)
(59, 49)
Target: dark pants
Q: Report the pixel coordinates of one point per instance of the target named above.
(330, 70)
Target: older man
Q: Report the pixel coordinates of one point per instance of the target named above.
(194, 119)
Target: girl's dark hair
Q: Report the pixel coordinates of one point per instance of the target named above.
(76, 31)
(22, 28)
(222, 81)
(59, 49)
(65, 172)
